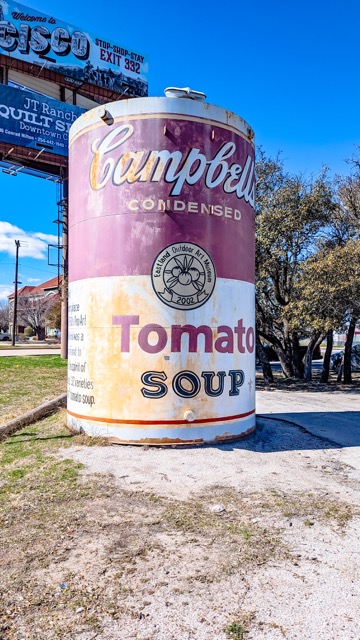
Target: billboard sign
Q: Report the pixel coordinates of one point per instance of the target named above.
(37, 38)
(29, 119)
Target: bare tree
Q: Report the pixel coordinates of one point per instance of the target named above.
(4, 315)
(31, 311)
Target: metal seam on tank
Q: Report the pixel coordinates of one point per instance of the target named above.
(139, 212)
(162, 115)
(249, 139)
(151, 106)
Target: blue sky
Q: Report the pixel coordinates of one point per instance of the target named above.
(291, 70)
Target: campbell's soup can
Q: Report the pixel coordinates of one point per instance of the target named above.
(161, 273)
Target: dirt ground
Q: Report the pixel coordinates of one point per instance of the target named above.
(262, 543)
(256, 540)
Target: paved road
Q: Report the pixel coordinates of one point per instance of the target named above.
(332, 415)
(32, 351)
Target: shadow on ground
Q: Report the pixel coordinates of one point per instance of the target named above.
(294, 385)
(301, 431)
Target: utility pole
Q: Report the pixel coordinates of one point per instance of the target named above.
(17, 242)
(64, 291)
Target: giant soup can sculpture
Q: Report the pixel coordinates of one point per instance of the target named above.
(161, 273)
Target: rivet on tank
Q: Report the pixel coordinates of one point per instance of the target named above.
(161, 272)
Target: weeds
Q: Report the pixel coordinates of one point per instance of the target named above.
(311, 507)
(235, 631)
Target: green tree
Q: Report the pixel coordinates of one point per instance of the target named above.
(346, 227)
(327, 295)
(292, 214)
(346, 221)
(53, 314)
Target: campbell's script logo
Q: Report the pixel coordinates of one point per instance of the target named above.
(174, 168)
(183, 276)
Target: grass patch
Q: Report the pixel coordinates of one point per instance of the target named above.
(239, 628)
(27, 381)
(30, 363)
(311, 508)
(235, 631)
(41, 501)
(248, 542)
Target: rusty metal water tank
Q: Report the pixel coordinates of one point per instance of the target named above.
(161, 272)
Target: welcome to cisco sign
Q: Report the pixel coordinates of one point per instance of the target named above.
(35, 37)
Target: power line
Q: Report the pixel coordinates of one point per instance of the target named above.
(25, 266)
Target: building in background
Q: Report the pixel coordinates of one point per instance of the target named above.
(34, 304)
(340, 338)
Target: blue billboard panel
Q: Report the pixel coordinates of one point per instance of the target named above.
(29, 119)
(37, 38)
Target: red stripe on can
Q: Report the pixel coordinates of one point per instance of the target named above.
(163, 422)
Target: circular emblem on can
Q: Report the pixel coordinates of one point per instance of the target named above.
(183, 275)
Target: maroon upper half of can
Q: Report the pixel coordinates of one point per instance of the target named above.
(144, 183)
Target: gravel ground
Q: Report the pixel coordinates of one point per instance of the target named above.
(261, 541)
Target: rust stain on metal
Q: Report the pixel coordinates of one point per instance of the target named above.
(158, 442)
(177, 442)
(94, 170)
(230, 437)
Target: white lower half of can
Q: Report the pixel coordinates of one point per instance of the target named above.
(142, 372)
